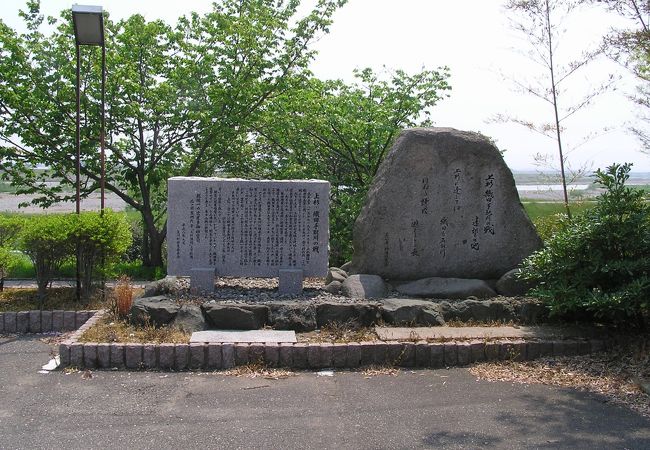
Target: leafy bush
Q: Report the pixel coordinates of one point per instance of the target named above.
(46, 239)
(98, 237)
(547, 226)
(10, 226)
(598, 264)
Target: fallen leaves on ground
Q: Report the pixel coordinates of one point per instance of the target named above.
(614, 374)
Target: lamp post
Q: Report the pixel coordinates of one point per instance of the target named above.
(88, 22)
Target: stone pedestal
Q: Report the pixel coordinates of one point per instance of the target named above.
(290, 282)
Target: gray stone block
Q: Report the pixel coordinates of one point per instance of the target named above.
(339, 355)
(422, 354)
(326, 353)
(299, 357)
(64, 355)
(545, 348)
(408, 355)
(286, 355)
(241, 354)
(477, 351)
(57, 320)
(104, 355)
(313, 356)
(380, 353)
(34, 321)
(532, 350)
(90, 355)
(492, 350)
(22, 322)
(597, 345)
(2, 323)
(182, 356)
(197, 356)
(513, 351)
(236, 317)
(584, 347)
(198, 240)
(77, 355)
(46, 321)
(117, 356)
(228, 355)
(353, 357)
(10, 322)
(290, 282)
(393, 353)
(571, 348)
(272, 354)
(215, 360)
(558, 348)
(451, 354)
(166, 356)
(367, 353)
(464, 350)
(437, 355)
(256, 353)
(133, 356)
(202, 279)
(69, 320)
(149, 360)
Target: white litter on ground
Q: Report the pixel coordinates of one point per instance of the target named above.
(325, 373)
(51, 365)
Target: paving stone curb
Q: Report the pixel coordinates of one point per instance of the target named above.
(21, 322)
(219, 356)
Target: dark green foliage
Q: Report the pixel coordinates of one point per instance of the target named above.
(598, 265)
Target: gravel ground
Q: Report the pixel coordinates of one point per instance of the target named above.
(618, 374)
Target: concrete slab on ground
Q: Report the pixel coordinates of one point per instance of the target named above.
(424, 333)
(265, 336)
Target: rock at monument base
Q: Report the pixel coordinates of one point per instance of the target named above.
(346, 267)
(334, 287)
(442, 204)
(292, 316)
(479, 311)
(401, 311)
(236, 317)
(511, 286)
(364, 286)
(452, 288)
(158, 310)
(190, 319)
(167, 285)
(335, 274)
(359, 314)
(532, 311)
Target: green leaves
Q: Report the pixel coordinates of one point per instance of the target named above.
(599, 263)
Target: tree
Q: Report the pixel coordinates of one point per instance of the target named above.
(540, 21)
(341, 133)
(631, 47)
(180, 101)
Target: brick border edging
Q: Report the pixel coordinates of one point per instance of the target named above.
(37, 321)
(218, 356)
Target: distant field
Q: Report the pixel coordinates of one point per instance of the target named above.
(542, 209)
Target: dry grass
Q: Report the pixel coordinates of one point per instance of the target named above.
(57, 298)
(259, 370)
(114, 329)
(339, 333)
(474, 323)
(123, 294)
(374, 371)
(616, 374)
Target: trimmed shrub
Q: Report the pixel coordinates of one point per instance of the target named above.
(46, 240)
(598, 264)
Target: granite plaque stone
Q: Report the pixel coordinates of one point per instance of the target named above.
(247, 228)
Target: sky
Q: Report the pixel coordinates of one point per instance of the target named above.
(475, 39)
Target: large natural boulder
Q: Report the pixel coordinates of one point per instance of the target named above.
(190, 319)
(357, 314)
(442, 204)
(158, 311)
(292, 316)
(364, 286)
(167, 285)
(236, 317)
(335, 274)
(453, 288)
(479, 310)
(403, 311)
(511, 285)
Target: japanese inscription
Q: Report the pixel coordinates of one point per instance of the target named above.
(248, 228)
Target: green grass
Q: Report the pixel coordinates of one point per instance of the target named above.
(537, 210)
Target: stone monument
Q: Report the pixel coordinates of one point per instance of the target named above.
(235, 227)
(442, 204)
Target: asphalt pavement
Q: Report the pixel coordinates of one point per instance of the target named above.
(416, 409)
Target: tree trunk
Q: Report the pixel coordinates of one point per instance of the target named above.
(154, 239)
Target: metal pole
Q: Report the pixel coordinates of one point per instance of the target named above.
(78, 167)
(103, 161)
